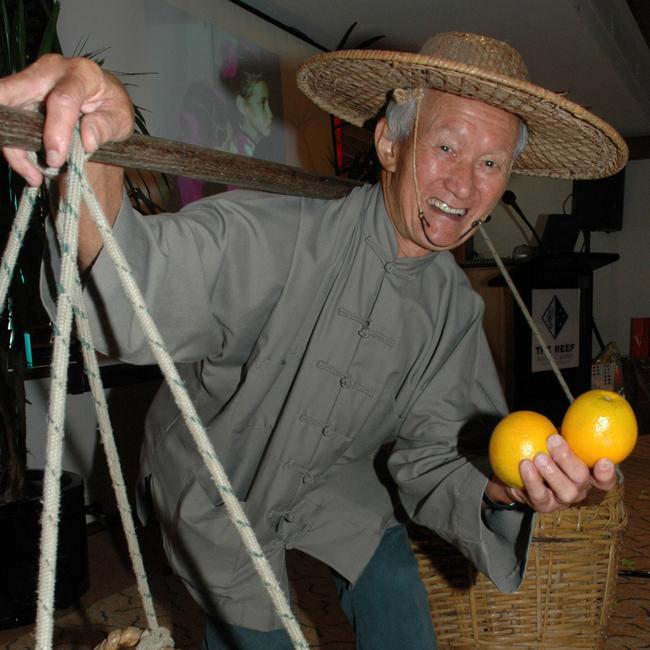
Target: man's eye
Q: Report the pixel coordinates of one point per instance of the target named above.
(445, 148)
(490, 163)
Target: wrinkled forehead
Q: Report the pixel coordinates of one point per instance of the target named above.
(440, 109)
(439, 101)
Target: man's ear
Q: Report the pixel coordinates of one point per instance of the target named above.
(387, 149)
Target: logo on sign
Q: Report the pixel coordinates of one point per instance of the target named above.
(554, 317)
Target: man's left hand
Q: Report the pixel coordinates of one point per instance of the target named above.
(556, 480)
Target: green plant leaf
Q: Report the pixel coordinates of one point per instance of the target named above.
(344, 39)
(21, 37)
(50, 40)
(368, 42)
(5, 62)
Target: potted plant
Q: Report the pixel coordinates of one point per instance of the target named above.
(28, 29)
(25, 349)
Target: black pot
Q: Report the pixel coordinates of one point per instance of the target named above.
(20, 524)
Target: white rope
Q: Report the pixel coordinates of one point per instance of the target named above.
(15, 240)
(97, 390)
(69, 304)
(112, 456)
(194, 424)
(527, 315)
(69, 215)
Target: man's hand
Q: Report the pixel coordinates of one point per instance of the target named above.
(67, 89)
(555, 481)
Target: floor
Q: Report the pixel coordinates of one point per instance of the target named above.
(628, 628)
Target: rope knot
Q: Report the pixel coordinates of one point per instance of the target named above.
(158, 639)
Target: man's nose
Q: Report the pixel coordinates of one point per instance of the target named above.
(460, 180)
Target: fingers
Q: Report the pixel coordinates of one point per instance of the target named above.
(565, 473)
(22, 165)
(560, 479)
(536, 493)
(556, 480)
(84, 90)
(68, 88)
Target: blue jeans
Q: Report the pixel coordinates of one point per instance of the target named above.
(387, 607)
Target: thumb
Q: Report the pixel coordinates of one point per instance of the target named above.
(604, 474)
(110, 117)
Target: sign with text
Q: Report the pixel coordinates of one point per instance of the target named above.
(556, 313)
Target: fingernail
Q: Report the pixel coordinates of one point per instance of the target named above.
(53, 158)
(606, 464)
(541, 460)
(526, 468)
(554, 441)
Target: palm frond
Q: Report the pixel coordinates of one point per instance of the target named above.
(50, 40)
(345, 37)
(20, 36)
(368, 42)
(5, 42)
(28, 31)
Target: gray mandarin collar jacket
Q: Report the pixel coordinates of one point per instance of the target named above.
(307, 345)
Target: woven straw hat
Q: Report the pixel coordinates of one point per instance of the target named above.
(564, 139)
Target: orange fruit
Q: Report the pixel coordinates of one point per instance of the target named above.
(519, 435)
(600, 424)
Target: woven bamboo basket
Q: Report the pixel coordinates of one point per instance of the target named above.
(564, 601)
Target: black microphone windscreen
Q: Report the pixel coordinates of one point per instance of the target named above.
(509, 197)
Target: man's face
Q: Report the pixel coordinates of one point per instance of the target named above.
(463, 156)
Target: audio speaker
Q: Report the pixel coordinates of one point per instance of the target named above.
(598, 204)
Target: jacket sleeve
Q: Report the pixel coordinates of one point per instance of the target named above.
(439, 461)
(209, 275)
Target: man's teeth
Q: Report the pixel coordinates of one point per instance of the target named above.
(441, 205)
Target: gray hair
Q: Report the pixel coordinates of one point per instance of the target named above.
(401, 120)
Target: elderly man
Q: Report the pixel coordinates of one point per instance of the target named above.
(312, 333)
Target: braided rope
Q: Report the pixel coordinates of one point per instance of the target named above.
(69, 216)
(193, 422)
(15, 240)
(527, 315)
(108, 441)
(19, 228)
(69, 306)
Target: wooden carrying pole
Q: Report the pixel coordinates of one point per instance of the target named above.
(23, 129)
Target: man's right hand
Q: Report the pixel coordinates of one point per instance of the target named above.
(67, 88)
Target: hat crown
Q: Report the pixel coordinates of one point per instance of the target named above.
(476, 50)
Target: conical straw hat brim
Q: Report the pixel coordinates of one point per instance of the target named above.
(564, 139)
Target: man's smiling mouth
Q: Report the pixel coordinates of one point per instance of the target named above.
(447, 209)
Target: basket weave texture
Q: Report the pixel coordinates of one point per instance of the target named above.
(564, 601)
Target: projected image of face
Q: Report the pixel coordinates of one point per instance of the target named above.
(234, 104)
(254, 108)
